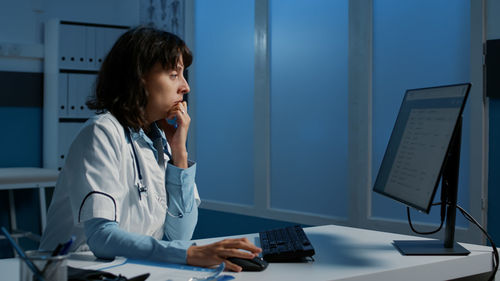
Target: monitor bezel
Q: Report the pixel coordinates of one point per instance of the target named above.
(438, 178)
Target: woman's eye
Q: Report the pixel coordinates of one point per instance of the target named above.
(174, 76)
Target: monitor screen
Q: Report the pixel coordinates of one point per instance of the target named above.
(414, 158)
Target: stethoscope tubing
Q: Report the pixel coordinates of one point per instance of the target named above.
(140, 185)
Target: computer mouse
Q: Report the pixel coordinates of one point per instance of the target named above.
(255, 264)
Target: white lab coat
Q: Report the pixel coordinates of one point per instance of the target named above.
(99, 181)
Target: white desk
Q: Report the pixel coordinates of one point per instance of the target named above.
(344, 253)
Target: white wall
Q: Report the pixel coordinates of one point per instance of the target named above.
(22, 25)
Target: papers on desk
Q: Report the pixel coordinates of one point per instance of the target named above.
(162, 271)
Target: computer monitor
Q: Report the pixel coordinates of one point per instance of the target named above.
(423, 149)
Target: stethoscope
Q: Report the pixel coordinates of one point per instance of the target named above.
(141, 187)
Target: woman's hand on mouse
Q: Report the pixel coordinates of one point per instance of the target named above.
(215, 253)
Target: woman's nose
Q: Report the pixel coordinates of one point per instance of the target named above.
(184, 89)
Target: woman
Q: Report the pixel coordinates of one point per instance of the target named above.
(127, 188)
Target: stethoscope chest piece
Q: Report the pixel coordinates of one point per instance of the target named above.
(142, 189)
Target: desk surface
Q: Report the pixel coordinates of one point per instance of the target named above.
(344, 253)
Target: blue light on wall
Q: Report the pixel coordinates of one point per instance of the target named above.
(309, 44)
(417, 44)
(224, 65)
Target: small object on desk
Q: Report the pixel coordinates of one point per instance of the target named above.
(255, 264)
(53, 268)
(141, 277)
(57, 250)
(66, 246)
(80, 274)
(212, 277)
(287, 244)
(24, 257)
(60, 250)
(224, 277)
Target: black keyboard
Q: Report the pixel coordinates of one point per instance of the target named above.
(285, 244)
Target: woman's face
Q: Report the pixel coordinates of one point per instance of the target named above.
(166, 88)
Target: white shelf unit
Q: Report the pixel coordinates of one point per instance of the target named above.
(74, 52)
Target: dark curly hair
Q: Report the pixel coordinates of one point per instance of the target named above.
(119, 87)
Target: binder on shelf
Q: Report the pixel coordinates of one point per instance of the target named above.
(72, 46)
(73, 55)
(63, 95)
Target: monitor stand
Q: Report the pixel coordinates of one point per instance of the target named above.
(429, 248)
(450, 183)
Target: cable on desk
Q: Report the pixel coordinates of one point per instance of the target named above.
(495, 251)
(469, 218)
